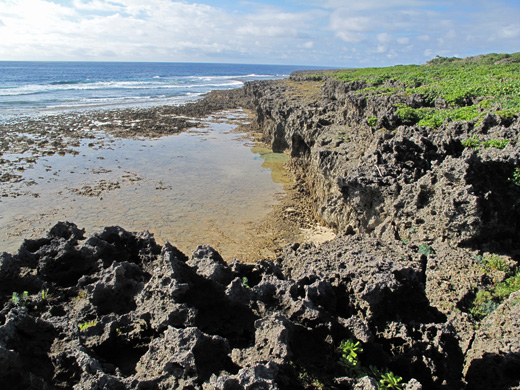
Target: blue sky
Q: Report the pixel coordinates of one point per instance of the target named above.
(338, 33)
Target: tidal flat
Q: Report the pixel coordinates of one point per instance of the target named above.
(211, 184)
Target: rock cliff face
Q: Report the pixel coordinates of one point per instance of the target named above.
(413, 208)
(392, 180)
(372, 175)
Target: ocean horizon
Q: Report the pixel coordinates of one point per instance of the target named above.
(35, 88)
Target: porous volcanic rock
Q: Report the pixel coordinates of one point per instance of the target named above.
(393, 180)
(415, 211)
(145, 316)
(424, 211)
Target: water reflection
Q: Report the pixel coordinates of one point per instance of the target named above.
(206, 186)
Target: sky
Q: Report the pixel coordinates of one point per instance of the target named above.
(335, 33)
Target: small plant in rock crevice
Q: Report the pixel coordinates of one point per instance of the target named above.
(516, 177)
(390, 381)
(81, 295)
(487, 300)
(372, 121)
(85, 325)
(245, 282)
(20, 299)
(349, 356)
(426, 250)
(45, 294)
(493, 263)
(308, 380)
(349, 360)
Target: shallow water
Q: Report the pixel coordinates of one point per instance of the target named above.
(207, 186)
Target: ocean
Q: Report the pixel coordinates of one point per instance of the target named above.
(43, 88)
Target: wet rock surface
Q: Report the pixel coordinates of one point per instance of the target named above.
(24, 140)
(415, 212)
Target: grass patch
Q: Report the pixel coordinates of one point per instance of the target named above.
(471, 87)
(475, 143)
(487, 300)
(432, 117)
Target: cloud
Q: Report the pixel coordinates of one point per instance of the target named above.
(97, 5)
(385, 38)
(326, 32)
(413, 30)
(162, 29)
(371, 5)
(511, 31)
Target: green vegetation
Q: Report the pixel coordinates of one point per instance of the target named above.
(516, 177)
(85, 325)
(349, 359)
(81, 295)
(426, 250)
(372, 121)
(20, 299)
(493, 263)
(390, 381)
(45, 293)
(432, 117)
(245, 282)
(475, 143)
(467, 89)
(487, 300)
(307, 380)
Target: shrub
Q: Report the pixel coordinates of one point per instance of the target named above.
(408, 115)
(495, 262)
(461, 83)
(506, 114)
(426, 250)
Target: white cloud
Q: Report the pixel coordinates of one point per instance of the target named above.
(412, 30)
(171, 30)
(371, 5)
(97, 5)
(328, 32)
(511, 31)
(348, 27)
(385, 38)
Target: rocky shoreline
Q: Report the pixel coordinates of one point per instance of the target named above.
(416, 213)
(59, 134)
